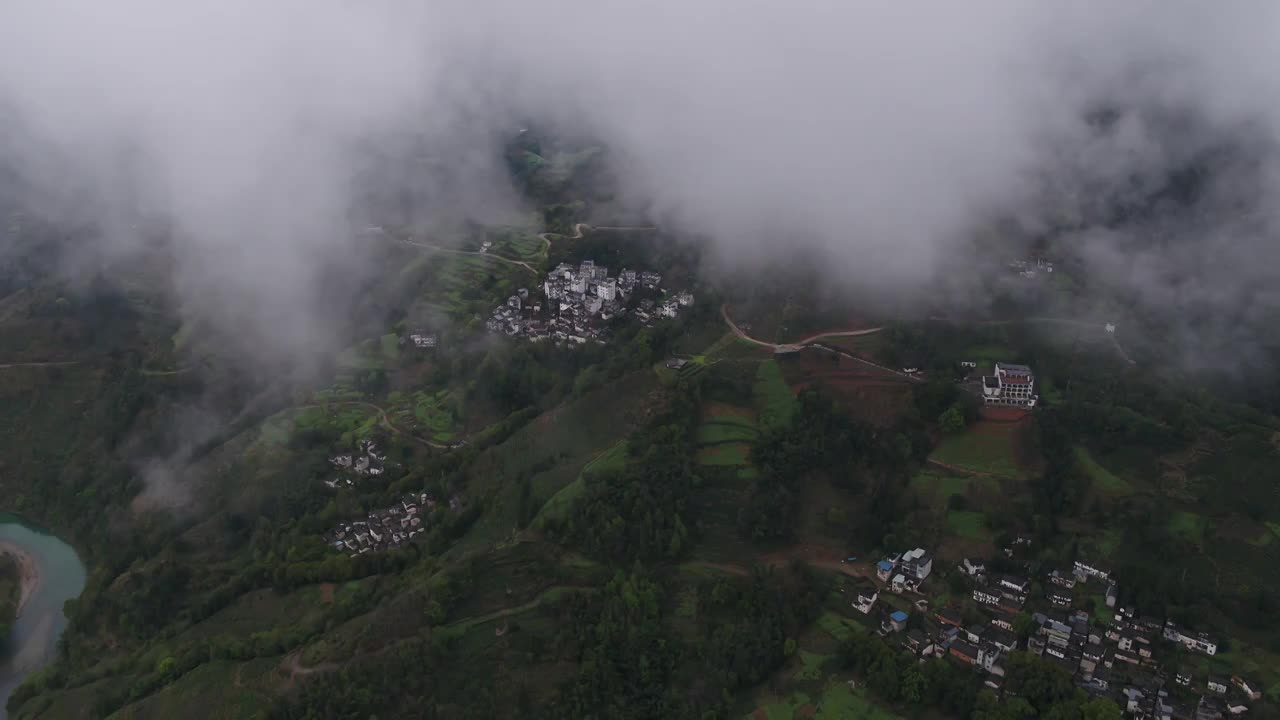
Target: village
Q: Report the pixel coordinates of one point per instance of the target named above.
(1140, 663)
(577, 303)
(351, 467)
(391, 527)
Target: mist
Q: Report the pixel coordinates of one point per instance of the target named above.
(883, 136)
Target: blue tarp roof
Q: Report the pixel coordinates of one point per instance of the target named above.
(884, 565)
(898, 616)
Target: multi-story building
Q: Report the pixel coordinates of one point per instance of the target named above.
(1010, 385)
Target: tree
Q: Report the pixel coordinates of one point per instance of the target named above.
(951, 421)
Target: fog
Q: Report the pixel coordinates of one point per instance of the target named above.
(886, 134)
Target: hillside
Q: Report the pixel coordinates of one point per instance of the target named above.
(673, 522)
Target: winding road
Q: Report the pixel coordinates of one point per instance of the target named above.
(811, 341)
(790, 347)
(499, 258)
(581, 229)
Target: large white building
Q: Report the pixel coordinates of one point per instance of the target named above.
(1011, 385)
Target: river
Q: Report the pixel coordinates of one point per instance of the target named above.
(33, 641)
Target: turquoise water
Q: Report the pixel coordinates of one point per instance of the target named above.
(33, 641)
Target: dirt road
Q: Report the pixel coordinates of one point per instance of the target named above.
(385, 419)
(453, 251)
(812, 341)
(791, 347)
(581, 229)
(64, 363)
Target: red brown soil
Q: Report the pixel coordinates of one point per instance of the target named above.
(1003, 414)
(326, 593)
(806, 711)
(712, 409)
(869, 394)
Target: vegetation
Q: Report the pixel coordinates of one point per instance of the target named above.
(626, 543)
(10, 593)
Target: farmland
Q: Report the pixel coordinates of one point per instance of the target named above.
(774, 399)
(868, 393)
(986, 448)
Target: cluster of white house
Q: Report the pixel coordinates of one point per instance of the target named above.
(365, 461)
(1031, 268)
(1064, 636)
(422, 339)
(578, 301)
(390, 527)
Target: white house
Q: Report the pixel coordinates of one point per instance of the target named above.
(1199, 642)
(973, 567)
(607, 289)
(1015, 584)
(866, 600)
(986, 597)
(1084, 571)
(917, 563)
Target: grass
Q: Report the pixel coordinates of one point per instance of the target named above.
(1102, 478)
(390, 345)
(1188, 525)
(939, 486)
(220, 689)
(1100, 609)
(557, 508)
(722, 431)
(811, 665)
(1108, 541)
(776, 402)
(839, 703)
(1274, 527)
(840, 628)
(435, 412)
(986, 448)
(968, 524)
(987, 354)
(362, 356)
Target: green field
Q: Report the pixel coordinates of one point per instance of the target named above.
(774, 399)
(1188, 525)
(1102, 478)
(726, 454)
(390, 346)
(716, 432)
(837, 702)
(810, 666)
(987, 354)
(558, 506)
(366, 355)
(840, 628)
(436, 413)
(937, 486)
(968, 525)
(986, 448)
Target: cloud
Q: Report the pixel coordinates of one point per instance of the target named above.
(882, 133)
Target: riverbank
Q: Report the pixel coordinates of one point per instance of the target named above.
(28, 572)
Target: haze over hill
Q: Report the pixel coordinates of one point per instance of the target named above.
(886, 136)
